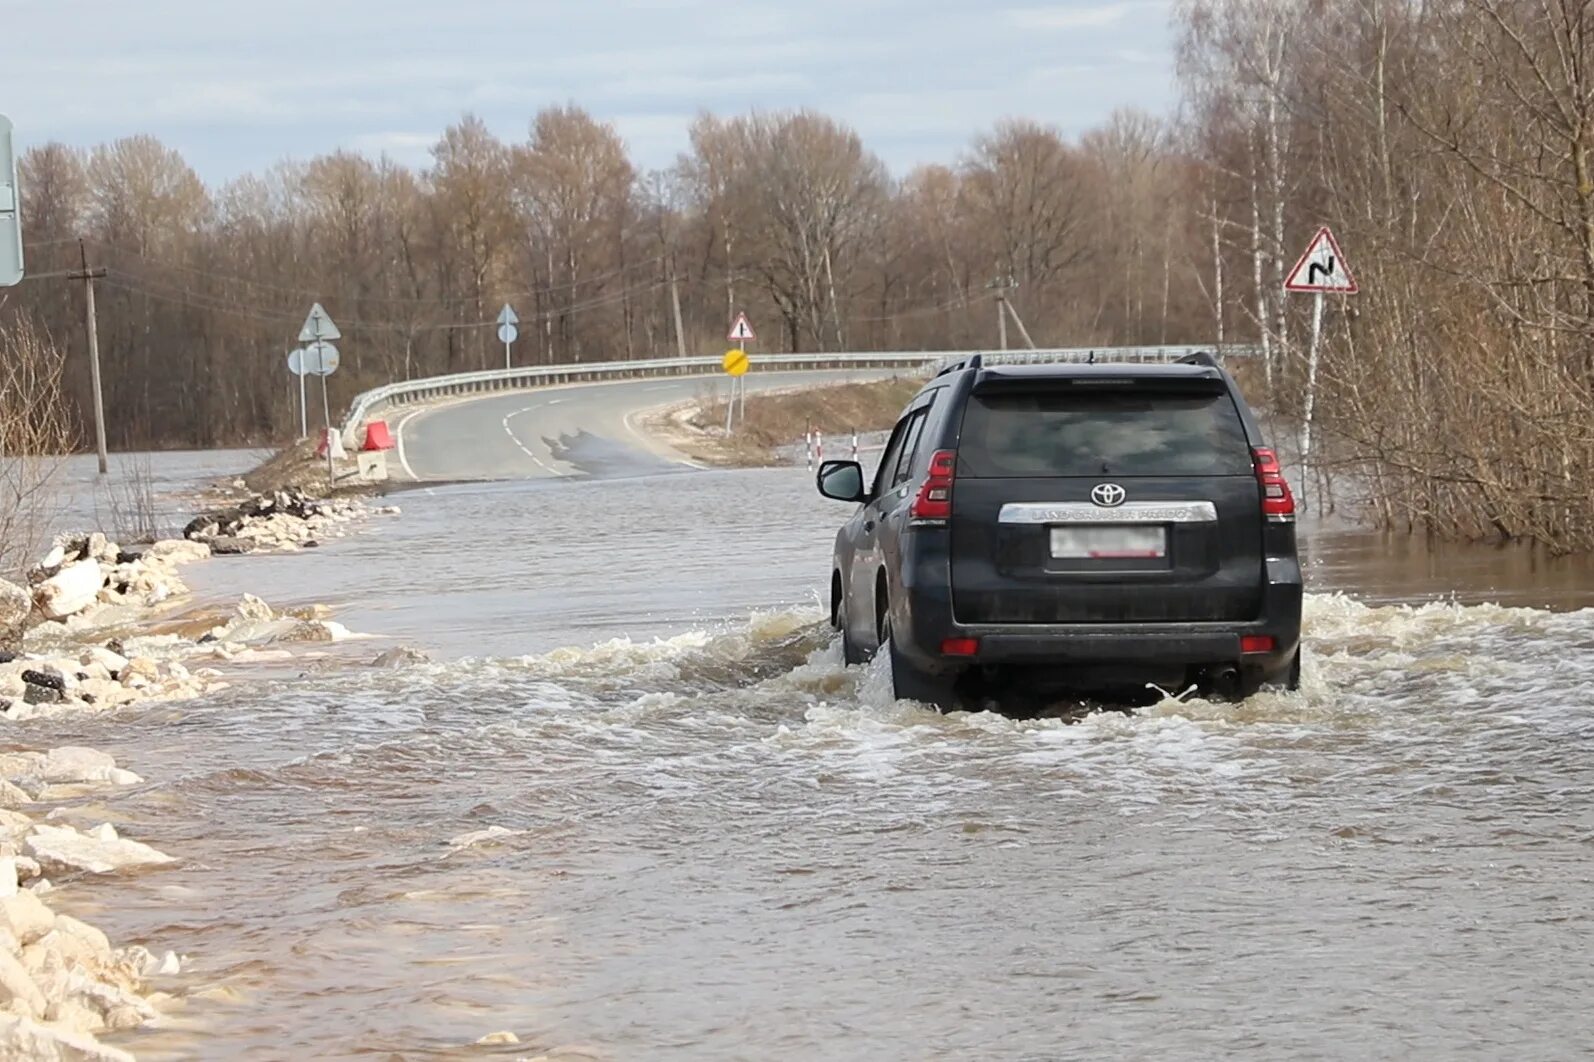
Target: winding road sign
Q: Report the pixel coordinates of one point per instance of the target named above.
(736, 362)
(1322, 269)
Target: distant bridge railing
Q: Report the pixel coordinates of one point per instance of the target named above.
(368, 405)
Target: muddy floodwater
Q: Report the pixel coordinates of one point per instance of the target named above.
(636, 808)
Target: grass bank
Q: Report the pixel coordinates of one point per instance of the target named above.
(778, 419)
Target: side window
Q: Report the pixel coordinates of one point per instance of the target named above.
(910, 446)
(884, 477)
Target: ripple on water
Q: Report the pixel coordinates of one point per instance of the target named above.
(725, 843)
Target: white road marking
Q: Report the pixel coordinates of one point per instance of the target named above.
(653, 445)
(398, 438)
(550, 402)
(523, 447)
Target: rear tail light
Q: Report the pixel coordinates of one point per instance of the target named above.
(1277, 501)
(934, 500)
(1257, 643)
(960, 646)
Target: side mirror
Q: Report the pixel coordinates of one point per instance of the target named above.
(843, 481)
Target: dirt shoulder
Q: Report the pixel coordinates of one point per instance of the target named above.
(779, 419)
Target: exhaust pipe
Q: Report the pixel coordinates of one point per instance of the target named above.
(1224, 680)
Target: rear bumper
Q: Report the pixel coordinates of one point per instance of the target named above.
(926, 621)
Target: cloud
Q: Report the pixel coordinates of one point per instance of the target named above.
(300, 77)
(1057, 17)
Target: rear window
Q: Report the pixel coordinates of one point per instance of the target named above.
(1097, 433)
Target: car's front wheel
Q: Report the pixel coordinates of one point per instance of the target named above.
(850, 653)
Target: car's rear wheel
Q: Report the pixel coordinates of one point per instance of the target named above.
(909, 682)
(1293, 681)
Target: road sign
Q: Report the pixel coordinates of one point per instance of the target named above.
(321, 359)
(507, 332)
(742, 330)
(10, 210)
(736, 362)
(296, 361)
(318, 326)
(1322, 269)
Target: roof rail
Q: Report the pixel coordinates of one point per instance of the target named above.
(973, 361)
(1200, 357)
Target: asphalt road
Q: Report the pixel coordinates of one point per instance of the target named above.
(577, 430)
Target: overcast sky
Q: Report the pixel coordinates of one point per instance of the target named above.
(239, 84)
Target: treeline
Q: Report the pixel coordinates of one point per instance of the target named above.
(1450, 143)
(787, 216)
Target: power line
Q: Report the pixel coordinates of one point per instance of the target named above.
(204, 301)
(313, 293)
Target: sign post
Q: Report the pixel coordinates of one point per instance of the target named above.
(321, 358)
(10, 210)
(1322, 270)
(296, 366)
(507, 332)
(735, 363)
(741, 334)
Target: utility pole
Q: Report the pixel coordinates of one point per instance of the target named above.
(1013, 311)
(88, 277)
(1001, 285)
(675, 302)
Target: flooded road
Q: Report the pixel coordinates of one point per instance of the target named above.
(637, 809)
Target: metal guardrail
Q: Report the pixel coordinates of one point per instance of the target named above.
(368, 404)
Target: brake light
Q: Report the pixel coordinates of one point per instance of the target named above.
(934, 500)
(960, 646)
(1277, 501)
(1257, 643)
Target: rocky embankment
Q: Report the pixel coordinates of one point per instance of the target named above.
(91, 630)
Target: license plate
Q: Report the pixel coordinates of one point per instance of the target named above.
(1110, 542)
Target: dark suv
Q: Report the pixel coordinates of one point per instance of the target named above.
(1041, 530)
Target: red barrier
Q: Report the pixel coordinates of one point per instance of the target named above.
(377, 437)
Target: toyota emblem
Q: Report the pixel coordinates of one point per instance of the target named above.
(1108, 495)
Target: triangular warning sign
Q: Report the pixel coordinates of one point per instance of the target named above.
(1322, 268)
(742, 330)
(318, 326)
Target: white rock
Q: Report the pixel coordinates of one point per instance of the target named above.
(100, 851)
(26, 916)
(15, 604)
(504, 1037)
(14, 825)
(8, 876)
(140, 671)
(24, 1038)
(252, 608)
(12, 796)
(74, 763)
(70, 590)
(175, 551)
(317, 631)
(18, 989)
(102, 657)
(103, 549)
(90, 935)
